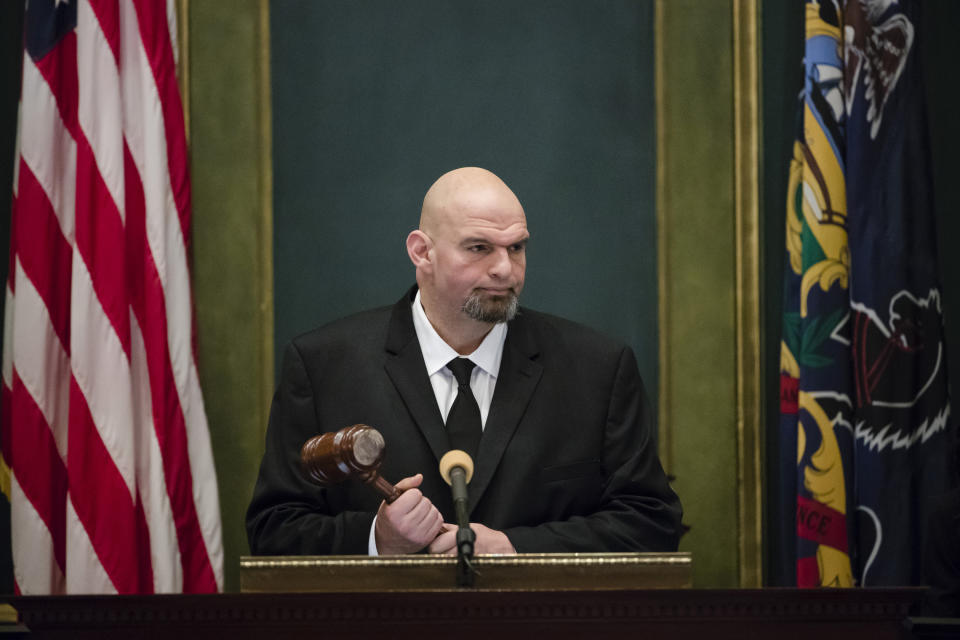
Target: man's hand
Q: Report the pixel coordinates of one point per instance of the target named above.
(488, 541)
(410, 523)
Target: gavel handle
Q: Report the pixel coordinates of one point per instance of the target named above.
(384, 488)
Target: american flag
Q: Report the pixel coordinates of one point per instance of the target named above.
(104, 437)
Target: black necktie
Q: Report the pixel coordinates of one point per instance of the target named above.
(463, 421)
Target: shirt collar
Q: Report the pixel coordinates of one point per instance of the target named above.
(437, 353)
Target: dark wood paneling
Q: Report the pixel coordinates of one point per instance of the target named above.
(785, 614)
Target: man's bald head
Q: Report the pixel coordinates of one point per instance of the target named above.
(463, 191)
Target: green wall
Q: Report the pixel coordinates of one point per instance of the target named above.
(229, 154)
(373, 101)
(697, 218)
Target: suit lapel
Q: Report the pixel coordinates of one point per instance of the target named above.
(516, 381)
(404, 366)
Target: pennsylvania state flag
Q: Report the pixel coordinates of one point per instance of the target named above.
(865, 415)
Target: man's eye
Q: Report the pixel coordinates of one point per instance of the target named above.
(517, 248)
(477, 248)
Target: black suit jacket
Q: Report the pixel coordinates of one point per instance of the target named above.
(566, 462)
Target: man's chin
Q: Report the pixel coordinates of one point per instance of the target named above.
(491, 307)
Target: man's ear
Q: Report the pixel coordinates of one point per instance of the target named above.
(418, 248)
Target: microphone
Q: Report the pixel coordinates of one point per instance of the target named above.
(456, 468)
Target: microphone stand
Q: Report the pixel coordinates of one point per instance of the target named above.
(465, 535)
(456, 467)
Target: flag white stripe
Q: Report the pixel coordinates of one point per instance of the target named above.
(85, 574)
(8, 334)
(39, 360)
(48, 148)
(205, 494)
(165, 240)
(102, 372)
(34, 566)
(16, 153)
(138, 436)
(144, 130)
(164, 549)
(98, 101)
(172, 29)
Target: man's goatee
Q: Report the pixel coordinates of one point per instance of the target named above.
(500, 308)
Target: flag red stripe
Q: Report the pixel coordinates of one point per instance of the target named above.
(107, 13)
(44, 253)
(100, 237)
(37, 465)
(59, 69)
(155, 34)
(144, 559)
(149, 308)
(103, 502)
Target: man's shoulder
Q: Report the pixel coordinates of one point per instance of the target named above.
(357, 328)
(553, 330)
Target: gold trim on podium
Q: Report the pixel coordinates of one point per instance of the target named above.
(521, 572)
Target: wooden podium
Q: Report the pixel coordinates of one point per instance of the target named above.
(557, 596)
(522, 572)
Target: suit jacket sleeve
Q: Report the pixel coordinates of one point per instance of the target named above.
(636, 510)
(288, 513)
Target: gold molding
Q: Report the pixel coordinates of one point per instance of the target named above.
(418, 572)
(183, 62)
(492, 560)
(663, 308)
(265, 261)
(749, 378)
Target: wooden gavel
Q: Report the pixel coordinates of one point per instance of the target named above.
(353, 452)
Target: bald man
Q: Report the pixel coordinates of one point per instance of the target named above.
(564, 455)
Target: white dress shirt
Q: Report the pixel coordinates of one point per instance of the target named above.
(436, 355)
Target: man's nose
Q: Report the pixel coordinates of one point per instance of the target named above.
(500, 263)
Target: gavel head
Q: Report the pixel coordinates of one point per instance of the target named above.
(353, 452)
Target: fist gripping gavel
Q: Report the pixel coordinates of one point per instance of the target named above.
(352, 452)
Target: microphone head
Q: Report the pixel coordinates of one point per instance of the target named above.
(456, 458)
